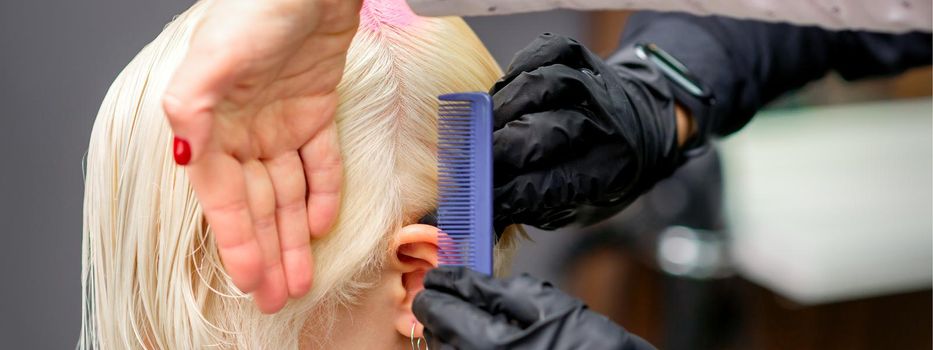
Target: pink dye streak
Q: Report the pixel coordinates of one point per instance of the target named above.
(378, 13)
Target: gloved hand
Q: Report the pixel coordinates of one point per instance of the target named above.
(464, 309)
(573, 130)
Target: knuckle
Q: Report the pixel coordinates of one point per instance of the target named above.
(182, 110)
(292, 207)
(171, 105)
(265, 225)
(226, 208)
(525, 280)
(177, 110)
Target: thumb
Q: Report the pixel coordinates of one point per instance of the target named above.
(190, 125)
(197, 86)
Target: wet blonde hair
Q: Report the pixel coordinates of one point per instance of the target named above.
(151, 274)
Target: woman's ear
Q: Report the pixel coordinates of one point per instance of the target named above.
(415, 253)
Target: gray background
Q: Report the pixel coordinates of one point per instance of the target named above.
(57, 58)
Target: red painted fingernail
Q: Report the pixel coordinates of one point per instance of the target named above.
(182, 151)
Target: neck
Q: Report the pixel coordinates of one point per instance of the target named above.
(367, 324)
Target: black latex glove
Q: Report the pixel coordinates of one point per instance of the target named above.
(573, 130)
(463, 309)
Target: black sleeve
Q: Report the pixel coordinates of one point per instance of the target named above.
(747, 64)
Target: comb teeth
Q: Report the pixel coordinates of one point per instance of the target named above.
(464, 214)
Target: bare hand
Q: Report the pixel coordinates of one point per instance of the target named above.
(252, 107)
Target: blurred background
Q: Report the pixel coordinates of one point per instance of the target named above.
(810, 229)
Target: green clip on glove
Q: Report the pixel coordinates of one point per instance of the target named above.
(573, 130)
(464, 309)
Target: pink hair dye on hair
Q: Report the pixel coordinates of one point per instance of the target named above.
(378, 13)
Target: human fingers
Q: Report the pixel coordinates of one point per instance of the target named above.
(545, 50)
(323, 167)
(512, 298)
(219, 182)
(291, 212)
(541, 139)
(224, 61)
(459, 323)
(546, 197)
(272, 292)
(194, 92)
(545, 88)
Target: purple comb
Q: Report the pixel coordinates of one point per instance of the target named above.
(464, 153)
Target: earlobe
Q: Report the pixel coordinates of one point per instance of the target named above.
(415, 254)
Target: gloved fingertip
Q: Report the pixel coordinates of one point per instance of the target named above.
(499, 226)
(443, 277)
(419, 305)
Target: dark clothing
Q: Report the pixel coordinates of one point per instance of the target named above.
(748, 63)
(574, 131)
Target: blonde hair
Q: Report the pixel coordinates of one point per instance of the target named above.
(151, 275)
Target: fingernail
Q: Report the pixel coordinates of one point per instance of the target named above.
(181, 151)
